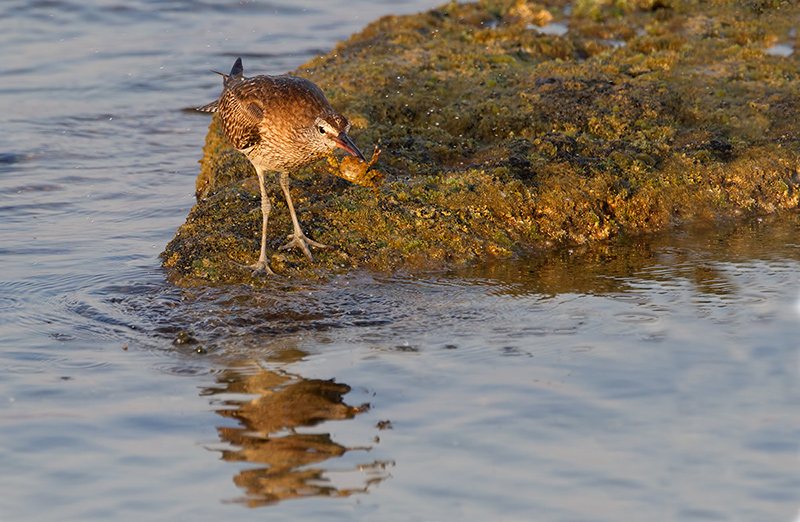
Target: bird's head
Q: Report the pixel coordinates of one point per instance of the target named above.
(330, 130)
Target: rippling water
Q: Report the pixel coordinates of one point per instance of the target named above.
(651, 379)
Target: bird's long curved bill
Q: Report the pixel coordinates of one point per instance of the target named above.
(343, 141)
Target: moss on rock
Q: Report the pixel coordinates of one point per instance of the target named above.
(500, 136)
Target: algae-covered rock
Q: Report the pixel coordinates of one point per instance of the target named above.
(508, 126)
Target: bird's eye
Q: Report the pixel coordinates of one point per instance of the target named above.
(321, 130)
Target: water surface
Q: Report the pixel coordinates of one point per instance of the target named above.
(653, 378)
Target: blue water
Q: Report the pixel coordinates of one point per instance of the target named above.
(652, 379)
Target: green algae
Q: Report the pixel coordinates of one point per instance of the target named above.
(498, 138)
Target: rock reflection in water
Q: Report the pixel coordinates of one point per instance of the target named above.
(698, 253)
(295, 463)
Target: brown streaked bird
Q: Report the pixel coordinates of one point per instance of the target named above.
(281, 123)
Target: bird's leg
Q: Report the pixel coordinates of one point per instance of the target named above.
(298, 239)
(266, 206)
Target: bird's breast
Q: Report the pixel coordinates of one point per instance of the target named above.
(277, 153)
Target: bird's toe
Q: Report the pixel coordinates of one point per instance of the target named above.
(302, 242)
(261, 268)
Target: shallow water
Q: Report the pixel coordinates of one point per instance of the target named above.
(654, 378)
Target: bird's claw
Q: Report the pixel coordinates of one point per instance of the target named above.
(260, 267)
(302, 242)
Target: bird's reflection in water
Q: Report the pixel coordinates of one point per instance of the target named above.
(295, 465)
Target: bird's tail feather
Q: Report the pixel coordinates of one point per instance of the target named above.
(237, 73)
(209, 107)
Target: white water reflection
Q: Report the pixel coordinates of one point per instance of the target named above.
(780, 50)
(556, 29)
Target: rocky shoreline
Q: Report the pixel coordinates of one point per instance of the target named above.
(511, 126)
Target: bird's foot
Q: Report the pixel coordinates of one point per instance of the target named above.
(260, 267)
(302, 242)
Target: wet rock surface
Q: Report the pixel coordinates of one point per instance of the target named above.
(513, 126)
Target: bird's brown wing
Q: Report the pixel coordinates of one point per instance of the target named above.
(243, 112)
